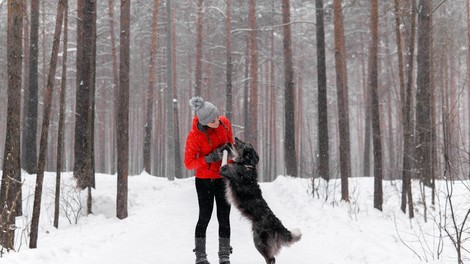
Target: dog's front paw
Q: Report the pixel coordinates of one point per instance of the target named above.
(225, 171)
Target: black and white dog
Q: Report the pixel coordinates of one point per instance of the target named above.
(243, 191)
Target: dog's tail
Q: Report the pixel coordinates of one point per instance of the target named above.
(291, 236)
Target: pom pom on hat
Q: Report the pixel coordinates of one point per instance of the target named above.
(205, 111)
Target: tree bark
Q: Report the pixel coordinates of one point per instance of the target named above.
(290, 155)
(45, 127)
(228, 43)
(252, 125)
(374, 92)
(11, 178)
(150, 98)
(60, 138)
(423, 96)
(84, 118)
(342, 94)
(123, 112)
(170, 120)
(198, 88)
(323, 140)
(31, 101)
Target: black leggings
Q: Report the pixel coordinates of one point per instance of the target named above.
(207, 190)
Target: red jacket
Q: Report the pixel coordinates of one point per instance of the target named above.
(199, 144)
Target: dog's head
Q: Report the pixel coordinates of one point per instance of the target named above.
(245, 153)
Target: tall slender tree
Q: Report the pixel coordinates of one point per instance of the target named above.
(423, 93)
(84, 167)
(290, 155)
(151, 87)
(115, 85)
(408, 157)
(31, 100)
(45, 127)
(468, 67)
(123, 112)
(229, 67)
(170, 126)
(374, 92)
(178, 154)
(252, 126)
(61, 132)
(342, 94)
(198, 77)
(11, 178)
(324, 156)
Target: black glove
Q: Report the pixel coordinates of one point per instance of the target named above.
(214, 156)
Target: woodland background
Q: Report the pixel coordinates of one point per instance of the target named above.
(388, 98)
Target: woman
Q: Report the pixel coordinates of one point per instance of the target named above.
(203, 153)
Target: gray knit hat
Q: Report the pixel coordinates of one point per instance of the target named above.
(205, 111)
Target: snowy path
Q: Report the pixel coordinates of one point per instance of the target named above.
(162, 216)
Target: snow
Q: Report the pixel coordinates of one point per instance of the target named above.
(163, 214)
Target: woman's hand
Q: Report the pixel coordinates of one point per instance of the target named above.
(214, 156)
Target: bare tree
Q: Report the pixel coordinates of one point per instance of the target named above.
(151, 87)
(60, 138)
(31, 100)
(342, 94)
(45, 127)
(468, 66)
(115, 84)
(374, 92)
(123, 112)
(324, 156)
(178, 153)
(408, 157)
(170, 126)
(84, 167)
(290, 155)
(423, 94)
(228, 43)
(11, 178)
(198, 77)
(251, 128)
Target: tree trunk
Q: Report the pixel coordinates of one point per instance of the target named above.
(468, 70)
(170, 120)
(323, 140)
(115, 86)
(151, 87)
(123, 112)
(84, 118)
(342, 94)
(45, 127)
(408, 156)
(252, 126)
(423, 97)
(228, 41)
(31, 101)
(178, 154)
(289, 140)
(11, 179)
(374, 92)
(198, 88)
(60, 138)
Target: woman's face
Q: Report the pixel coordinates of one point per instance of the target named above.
(214, 124)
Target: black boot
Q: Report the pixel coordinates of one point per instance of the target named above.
(224, 250)
(200, 250)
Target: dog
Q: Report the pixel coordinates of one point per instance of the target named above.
(243, 191)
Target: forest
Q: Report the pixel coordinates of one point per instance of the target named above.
(323, 89)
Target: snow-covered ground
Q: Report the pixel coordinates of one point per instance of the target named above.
(163, 214)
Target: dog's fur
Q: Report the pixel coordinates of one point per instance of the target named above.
(244, 192)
